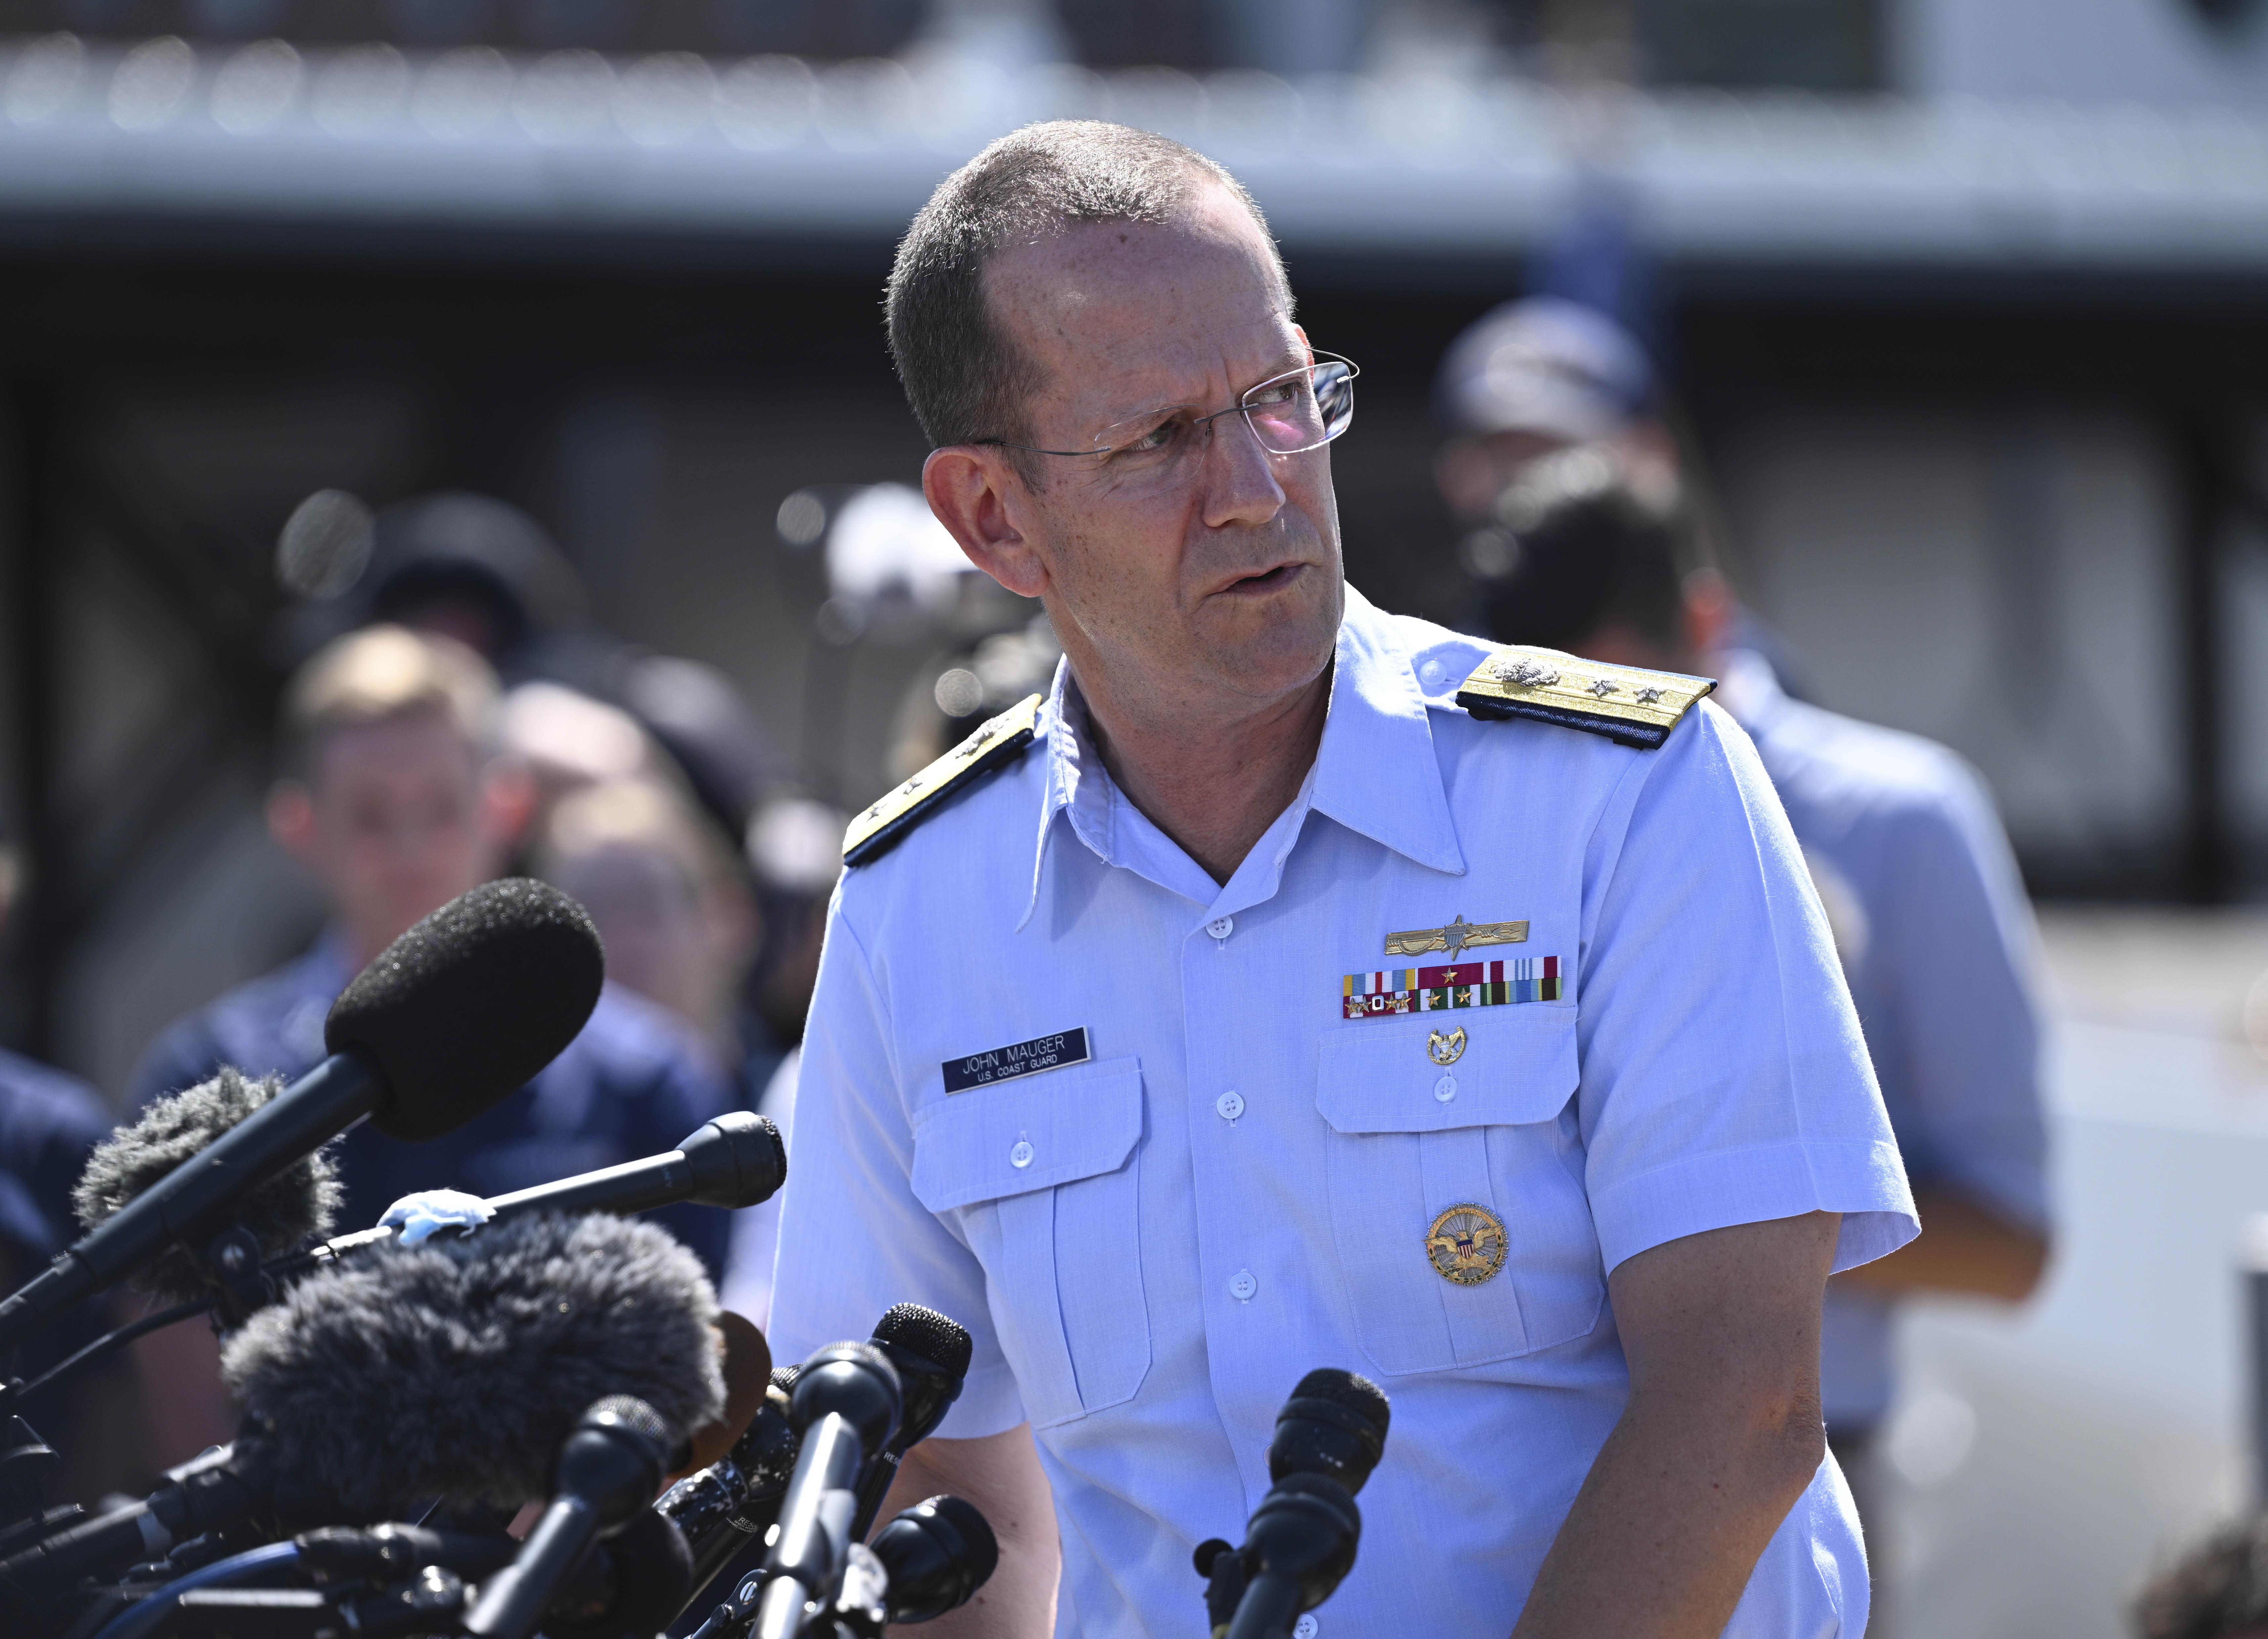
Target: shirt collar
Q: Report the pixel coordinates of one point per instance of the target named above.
(1375, 772)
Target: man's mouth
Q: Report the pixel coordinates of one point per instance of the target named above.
(1268, 580)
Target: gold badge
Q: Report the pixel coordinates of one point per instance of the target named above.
(1445, 1047)
(1456, 937)
(1466, 1244)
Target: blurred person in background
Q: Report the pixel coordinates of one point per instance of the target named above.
(1915, 873)
(795, 853)
(2217, 1590)
(393, 801)
(672, 906)
(1546, 373)
(1530, 377)
(482, 571)
(48, 1123)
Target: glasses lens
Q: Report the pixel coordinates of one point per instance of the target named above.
(1301, 410)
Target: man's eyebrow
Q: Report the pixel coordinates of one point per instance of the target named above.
(1289, 360)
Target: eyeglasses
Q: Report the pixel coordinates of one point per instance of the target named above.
(1299, 410)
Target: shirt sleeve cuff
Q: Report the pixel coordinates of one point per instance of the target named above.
(989, 1405)
(1866, 1182)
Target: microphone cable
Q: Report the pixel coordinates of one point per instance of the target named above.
(145, 1612)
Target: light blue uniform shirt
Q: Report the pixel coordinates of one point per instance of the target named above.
(1938, 942)
(1151, 1248)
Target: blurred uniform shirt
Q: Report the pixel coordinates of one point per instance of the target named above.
(632, 1084)
(49, 1123)
(1937, 939)
(1152, 1246)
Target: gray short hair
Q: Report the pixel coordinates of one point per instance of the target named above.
(965, 379)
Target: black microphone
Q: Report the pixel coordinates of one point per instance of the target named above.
(930, 1354)
(1303, 1538)
(736, 1160)
(844, 1408)
(937, 1555)
(608, 1471)
(204, 1494)
(722, 1510)
(453, 1016)
(449, 1369)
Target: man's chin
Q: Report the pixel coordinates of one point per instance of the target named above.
(1271, 647)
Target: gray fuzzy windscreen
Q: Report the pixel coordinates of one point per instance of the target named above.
(455, 1368)
(295, 1207)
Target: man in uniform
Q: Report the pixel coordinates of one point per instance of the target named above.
(1920, 889)
(1298, 986)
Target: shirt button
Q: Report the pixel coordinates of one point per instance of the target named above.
(1306, 1628)
(1221, 927)
(1432, 673)
(1446, 1089)
(1230, 1106)
(1242, 1284)
(1022, 1155)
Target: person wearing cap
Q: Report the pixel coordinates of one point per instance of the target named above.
(1920, 889)
(1295, 985)
(1532, 377)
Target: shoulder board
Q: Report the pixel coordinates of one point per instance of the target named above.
(995, 745)
(1629, 706)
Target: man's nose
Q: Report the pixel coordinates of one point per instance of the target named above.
(1238, 476)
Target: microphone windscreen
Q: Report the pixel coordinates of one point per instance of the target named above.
(464, 1009)
(454, 1368)
(295, 1207)
(748, 1366)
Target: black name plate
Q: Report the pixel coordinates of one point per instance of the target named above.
(1026, 1058)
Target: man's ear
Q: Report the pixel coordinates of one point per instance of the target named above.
(983, 504)
(291, 819)
(1709, 613)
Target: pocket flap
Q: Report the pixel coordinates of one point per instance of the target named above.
(1079, 1122)
(1518, 1064)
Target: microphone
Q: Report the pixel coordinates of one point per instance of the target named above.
(844, 1408)
(736, 1160)
(723, 1508)
(298, 1204)
(1302, 1539)
(607, 1470)
(930, 1354)
(445, 1370)
(453, 1016)
(937, 1555)
(453, 1368)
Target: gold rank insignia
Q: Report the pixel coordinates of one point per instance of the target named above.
(1629, 706)
(994, 746)
(1455, 937)
(1466, 1244)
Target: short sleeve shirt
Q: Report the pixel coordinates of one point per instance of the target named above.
(633, 1084)
(1229, 1171)
(1937, 940)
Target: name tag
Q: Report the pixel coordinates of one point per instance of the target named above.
(1026, 1058)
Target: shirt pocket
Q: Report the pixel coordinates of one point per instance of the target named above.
(1045, 1173)
(1410, 1138)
